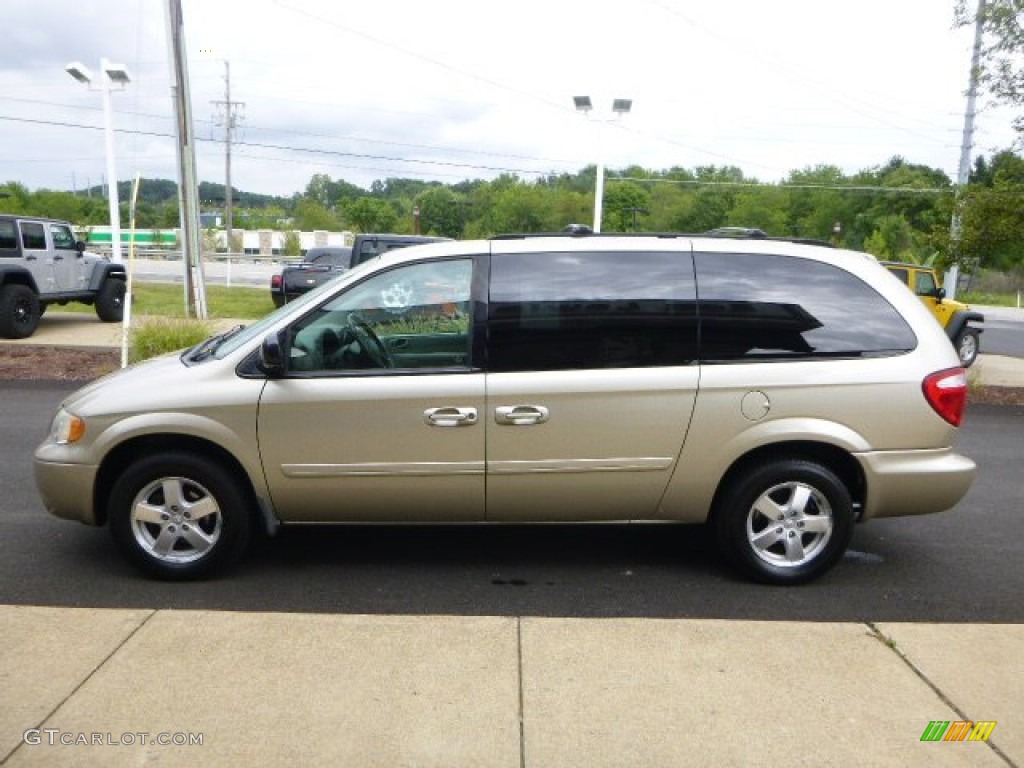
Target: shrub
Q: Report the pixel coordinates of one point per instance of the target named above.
(160, 335)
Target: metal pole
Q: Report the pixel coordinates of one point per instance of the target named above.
(599, 181)
(967, 142)
(126, 319)
(188, 186)
(108, 123)
(228, 127)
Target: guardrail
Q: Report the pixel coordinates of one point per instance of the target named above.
(226, 261)
(169, 255)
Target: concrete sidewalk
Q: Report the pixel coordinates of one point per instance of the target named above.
(301, 689)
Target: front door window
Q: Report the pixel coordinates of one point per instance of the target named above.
(413, 317)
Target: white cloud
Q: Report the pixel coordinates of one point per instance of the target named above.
(470, 88)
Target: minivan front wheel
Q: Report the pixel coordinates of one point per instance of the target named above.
(785, 522)
(179, 516)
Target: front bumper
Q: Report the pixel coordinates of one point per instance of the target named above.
(67, 489)
(914, 482)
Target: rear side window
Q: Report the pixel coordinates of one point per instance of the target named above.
(33, 235)
(766, 307)
(564, 311)
(8, 238)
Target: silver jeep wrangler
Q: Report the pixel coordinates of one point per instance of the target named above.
(41, 263)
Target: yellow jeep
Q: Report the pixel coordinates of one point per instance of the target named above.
(961, 323)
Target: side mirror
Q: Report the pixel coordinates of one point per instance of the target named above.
(939, 293)
(272, 355)
(80, 246)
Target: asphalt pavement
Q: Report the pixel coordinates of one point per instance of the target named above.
(111, 687)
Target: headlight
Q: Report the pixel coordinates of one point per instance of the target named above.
(66, 428)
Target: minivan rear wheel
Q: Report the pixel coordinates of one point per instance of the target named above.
(179, 516)
(786, 521)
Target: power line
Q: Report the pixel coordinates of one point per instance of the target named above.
(469, 166)
(285, 148)
(784, 185)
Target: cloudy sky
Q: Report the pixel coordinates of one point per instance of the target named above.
(462, 89)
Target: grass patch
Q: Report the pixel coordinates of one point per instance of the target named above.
(168, 300)
(160, 335)
(991, 299)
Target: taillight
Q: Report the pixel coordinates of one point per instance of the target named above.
(946, 392)
(275, 282)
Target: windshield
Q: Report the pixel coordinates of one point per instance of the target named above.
(261, 327)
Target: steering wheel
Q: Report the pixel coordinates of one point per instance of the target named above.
(370, 342)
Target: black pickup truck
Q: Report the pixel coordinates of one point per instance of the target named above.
(323, 263)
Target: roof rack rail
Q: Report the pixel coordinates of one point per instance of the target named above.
(725, 233)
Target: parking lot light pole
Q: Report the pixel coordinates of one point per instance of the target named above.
(619, 107)
(110, 74)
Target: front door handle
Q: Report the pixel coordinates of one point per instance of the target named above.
(450, 417)
(520, 415)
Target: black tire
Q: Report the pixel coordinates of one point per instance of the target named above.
(19, 311)
(159, 535)
(786, 521)
(967, 345)
(110, 300)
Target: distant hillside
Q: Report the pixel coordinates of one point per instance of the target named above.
(158, 191)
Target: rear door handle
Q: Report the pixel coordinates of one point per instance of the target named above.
(450, 416)
(520, 415)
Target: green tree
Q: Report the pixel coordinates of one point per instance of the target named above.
(14, 197)
(992, 225)
(624, 203)
(319, 189)
(292, 245)
(892, 239)
(370, 214)
(764, 207)
(310, 215)
(439, 212)
(1002, 64)
(519, 208)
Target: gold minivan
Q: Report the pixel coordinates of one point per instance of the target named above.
(536, 378)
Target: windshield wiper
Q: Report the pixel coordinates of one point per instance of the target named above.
(205, 349)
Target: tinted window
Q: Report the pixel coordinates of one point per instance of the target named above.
(8, 236)
(33, 235)
(759, 306)
(336, 257)
(551, 311)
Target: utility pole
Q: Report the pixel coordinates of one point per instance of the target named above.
(964, 169)
(188, 186)
(228, 117)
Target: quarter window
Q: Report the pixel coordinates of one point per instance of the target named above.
(766, 307)
(559, 311)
